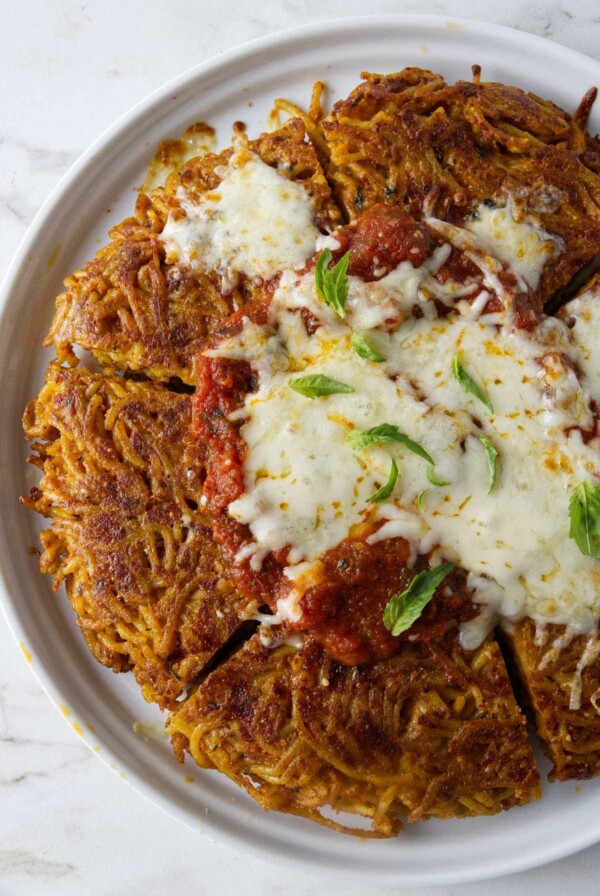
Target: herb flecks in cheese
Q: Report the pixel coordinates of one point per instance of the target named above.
(502, 482)
(257, 222)
(515, 238)
(582, 316)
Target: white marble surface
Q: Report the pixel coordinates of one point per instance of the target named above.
(67, 70)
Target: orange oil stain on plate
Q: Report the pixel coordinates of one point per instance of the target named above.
(53, 256)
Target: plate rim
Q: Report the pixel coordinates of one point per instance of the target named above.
(9, 604)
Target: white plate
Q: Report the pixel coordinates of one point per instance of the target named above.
(69, 229)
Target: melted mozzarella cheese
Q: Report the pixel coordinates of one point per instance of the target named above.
(257, 222)
(517, 536)
(517, 240)
(305, 488)
(582, 315)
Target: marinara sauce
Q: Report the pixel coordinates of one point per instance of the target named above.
(343, 607)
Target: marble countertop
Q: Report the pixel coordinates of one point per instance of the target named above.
(68, 69)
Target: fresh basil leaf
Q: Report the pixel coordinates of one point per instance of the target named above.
(385, 432)
(492, 459)
(584, 510)
(317, 384)
(419, 498)
(362, 348)
(433, 478)
(469, 384)
(383, 493)
(404, 609)
(332, 283)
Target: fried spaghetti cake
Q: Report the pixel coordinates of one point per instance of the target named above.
(331, 490)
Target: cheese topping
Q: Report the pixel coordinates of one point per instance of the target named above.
(257, 222)
(515, 238)
(305, 487)
(582, 315)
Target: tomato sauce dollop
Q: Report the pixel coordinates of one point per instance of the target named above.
(344, 608)
(384, 237)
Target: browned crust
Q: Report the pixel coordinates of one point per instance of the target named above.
(570, 737)
(434, 732)
(287, 150)
(239, 721)
(171, 154)
(438, 723)
(592, 287)
(134, 311)
(126, 534)
(440, 149)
